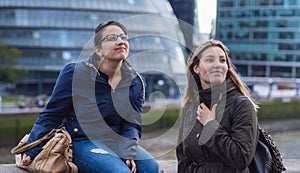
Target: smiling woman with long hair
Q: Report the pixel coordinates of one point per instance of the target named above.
(208, 141)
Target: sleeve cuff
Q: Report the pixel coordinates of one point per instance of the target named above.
(208, 131)
(127, 149)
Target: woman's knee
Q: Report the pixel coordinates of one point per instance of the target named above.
(118, 169)
(117, 166)
(149, 165)
(154, 165)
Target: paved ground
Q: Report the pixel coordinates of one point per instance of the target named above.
(168, 166)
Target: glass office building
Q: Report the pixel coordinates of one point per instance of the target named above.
(263, 36)
(52, 33)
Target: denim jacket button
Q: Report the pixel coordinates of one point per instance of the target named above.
(75, 130)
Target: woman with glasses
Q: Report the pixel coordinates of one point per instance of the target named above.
(99, 101)
(209, 140)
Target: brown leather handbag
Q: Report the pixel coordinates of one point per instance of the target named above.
(56, 154)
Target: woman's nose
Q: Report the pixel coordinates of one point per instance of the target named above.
(120, 40)
(217, 64)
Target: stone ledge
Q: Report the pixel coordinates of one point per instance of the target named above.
(168, 166)
(11, 168)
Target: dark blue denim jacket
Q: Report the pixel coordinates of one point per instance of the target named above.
(84, 102)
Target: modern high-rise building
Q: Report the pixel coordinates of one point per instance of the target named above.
(52, 33)
(186, 11)
(263, 36)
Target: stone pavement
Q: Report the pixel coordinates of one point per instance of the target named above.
(168, 166)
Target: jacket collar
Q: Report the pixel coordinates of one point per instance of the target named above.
(213, 95)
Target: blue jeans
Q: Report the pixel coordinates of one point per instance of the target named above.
(95, 156)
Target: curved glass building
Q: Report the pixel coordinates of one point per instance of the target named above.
(52, 33)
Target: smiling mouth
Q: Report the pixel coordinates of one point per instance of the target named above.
(216, 72)
(120, 48)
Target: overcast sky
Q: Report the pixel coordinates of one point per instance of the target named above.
(206, 12)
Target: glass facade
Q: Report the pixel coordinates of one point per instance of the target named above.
(52, 33)
(186, 11)
(263, 36)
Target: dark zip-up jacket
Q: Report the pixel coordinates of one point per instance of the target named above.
(220, 146)
(83, 102)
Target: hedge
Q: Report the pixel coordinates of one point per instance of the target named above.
(11, 130)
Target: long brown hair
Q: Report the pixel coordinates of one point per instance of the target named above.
(194, 83)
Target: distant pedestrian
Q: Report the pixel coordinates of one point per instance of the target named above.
(0, 103)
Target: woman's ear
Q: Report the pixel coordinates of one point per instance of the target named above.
(196, 69)
(97, 50)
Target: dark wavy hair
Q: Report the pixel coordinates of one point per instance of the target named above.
(100, 28)
(99, 35)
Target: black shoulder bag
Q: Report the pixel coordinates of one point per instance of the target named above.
(267, 158)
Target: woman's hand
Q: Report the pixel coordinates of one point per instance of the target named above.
(131, 164)
(26, 160)
(205, 115)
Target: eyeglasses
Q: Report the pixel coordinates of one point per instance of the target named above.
(114, 37)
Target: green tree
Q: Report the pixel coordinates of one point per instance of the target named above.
(7, 56)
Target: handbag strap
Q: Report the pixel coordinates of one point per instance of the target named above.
(23, 147)
(71, 168)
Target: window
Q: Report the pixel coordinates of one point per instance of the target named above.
(278, 2)
(286, 35)
(263, 24)
(259, 71)
(282, 23)
(264, 2)
(226, 4)
(277, 71)
(242, 70)
(287, 46)
(298, 72)
(260, 35)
